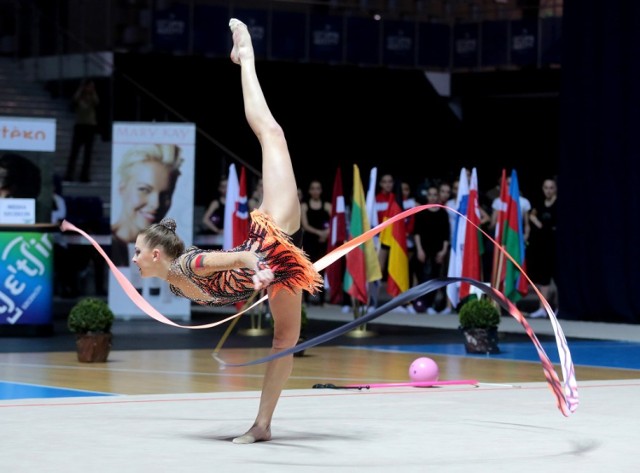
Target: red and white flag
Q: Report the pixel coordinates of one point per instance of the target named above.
(337, 236)
(471, 261)
(236, 210)
(241, 212)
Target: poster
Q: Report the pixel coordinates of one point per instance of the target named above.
(26, 272)
(153, 177)
(27, 134)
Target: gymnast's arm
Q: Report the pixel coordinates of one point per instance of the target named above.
(210, 262)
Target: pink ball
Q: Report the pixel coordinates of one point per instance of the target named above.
(423, 369)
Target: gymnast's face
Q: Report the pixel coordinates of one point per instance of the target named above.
(145, 257)
(146, 195)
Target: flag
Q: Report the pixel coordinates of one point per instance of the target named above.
(241, 212)
(236, 210)
(471, 267)
(513, 242)
(372, 211)
(497, 272)
(398, 263)
(457, 239)
(233, 192)
(362, 262)
(337, 235)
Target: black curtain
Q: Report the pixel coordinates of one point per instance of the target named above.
(599, 170)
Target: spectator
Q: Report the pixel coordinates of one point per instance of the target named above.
(256, 196)
(315, 216)
(384, 197)
(541, 252)
(213, 218)
(432, 240)
(85, 104)
(444, 192)
(408, 202)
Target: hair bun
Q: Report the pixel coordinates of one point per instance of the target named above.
(169, 224)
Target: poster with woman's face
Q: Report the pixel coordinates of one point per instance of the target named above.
(152, 178)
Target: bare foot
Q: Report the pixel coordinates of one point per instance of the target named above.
(255, 434)
(242, 47)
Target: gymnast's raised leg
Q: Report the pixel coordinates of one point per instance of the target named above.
(280, 200)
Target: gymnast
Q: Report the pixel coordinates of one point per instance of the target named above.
(271, 257)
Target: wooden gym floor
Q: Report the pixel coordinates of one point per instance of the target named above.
(162, 402)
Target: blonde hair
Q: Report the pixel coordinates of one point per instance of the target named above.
(168, 155)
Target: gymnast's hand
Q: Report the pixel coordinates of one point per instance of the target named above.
(263, 275)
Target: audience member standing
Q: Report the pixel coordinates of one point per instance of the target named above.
(315, 216)
(451, 216)
(213, 218)
(384, 197)
(408, 202)
(541, 252)
(85, 104)
(432, 238)
(444, 192)
(256, 196)
(451, 203)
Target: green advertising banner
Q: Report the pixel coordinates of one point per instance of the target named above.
(26, 277)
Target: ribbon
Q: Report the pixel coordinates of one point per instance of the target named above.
(135, 296)
(565, 392)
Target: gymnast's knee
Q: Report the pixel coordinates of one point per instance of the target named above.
(283, 341)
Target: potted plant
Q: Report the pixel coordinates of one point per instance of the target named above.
(91, 319)
(479, 320)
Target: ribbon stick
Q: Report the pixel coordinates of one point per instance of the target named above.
(413, 384)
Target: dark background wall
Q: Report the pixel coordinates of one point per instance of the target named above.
(600, 162)
(345, 115)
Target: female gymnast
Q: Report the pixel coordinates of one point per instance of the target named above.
(270, 258)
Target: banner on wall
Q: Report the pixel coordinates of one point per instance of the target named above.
(326, 42)
(399, 43)
(27, 134)
(26, 272)
(171, 28)
(153, 178)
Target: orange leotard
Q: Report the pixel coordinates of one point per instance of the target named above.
(290, 265)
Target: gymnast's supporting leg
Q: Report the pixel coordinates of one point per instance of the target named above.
(285, 308)
(280, 200)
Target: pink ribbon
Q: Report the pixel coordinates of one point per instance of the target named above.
(566, 392)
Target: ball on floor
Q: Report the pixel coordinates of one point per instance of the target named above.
(423, 369)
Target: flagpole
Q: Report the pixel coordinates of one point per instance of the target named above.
(498, 256)
(360, 331)
(256, 318)
(498, 279)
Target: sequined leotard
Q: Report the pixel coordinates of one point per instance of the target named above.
(290, 265)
